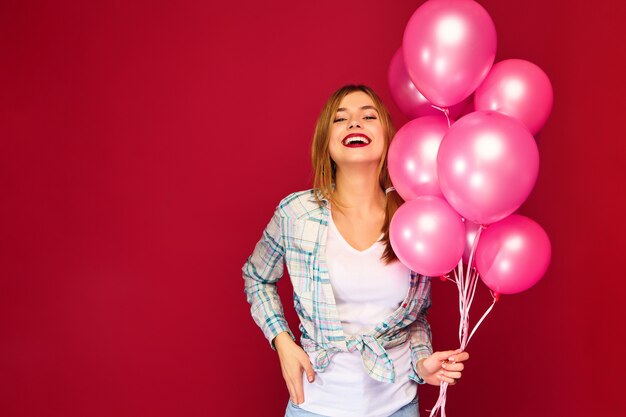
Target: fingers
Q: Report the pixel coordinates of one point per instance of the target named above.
(294, 382)
(451, 377)
(446, 354)
(459, 357)
(451, 355)
(289, 383)
(310, 376)
(293, 362)
(453, 366)
(294, 386)
(298, 390)
(445, 378)
(310, 373)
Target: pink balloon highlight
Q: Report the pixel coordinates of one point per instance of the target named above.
(519, 89)
(513, 255)
(412, 158)
(409, 100)
(427, 235)
(487, 166)
(449, 47)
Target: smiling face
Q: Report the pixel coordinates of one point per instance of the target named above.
(331, 129)
(356, 134)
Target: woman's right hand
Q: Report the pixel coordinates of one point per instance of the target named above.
(442, 367)
(293, 360)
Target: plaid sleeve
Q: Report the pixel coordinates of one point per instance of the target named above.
(421, 336)
(261, 272)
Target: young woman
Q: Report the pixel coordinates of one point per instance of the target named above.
(366, 343)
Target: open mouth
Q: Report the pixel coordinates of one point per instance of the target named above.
(356, 140)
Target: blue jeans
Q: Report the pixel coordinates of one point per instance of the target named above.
(409, 410)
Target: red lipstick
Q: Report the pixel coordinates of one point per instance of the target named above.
(356, 140)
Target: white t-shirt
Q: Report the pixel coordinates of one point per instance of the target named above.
(366, 292)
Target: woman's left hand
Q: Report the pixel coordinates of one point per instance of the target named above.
(442, 366)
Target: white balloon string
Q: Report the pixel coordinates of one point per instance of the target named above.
(474, 246)
(445, 111)
(459, 285)
(472, 280)
(495, 298)
(440, 405)
(457, 272)
(466, 282)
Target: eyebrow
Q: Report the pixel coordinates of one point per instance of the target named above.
(368, 107)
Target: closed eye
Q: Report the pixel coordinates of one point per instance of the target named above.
(341, 119)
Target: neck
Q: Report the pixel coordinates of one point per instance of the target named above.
(358, 188)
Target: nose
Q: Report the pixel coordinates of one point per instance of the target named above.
(353, 123)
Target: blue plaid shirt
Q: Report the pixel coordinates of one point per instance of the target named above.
(296, 236)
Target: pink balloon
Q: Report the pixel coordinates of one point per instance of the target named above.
(471, 229)
(449, 47)
(518, 88)
(487, 166)
(410, 101)
(513, 254)
(427, 235)
(412, 158)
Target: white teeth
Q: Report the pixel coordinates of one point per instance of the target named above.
(356, 139)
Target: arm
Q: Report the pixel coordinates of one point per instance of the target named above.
(261, 272)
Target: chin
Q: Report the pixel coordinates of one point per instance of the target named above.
(358, 161)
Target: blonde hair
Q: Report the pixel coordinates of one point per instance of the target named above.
(324, 167)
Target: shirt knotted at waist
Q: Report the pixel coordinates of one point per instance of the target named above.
(375, 358)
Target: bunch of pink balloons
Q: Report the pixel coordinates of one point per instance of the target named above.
(476, 171)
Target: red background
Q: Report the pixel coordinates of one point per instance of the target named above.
(144, 145)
